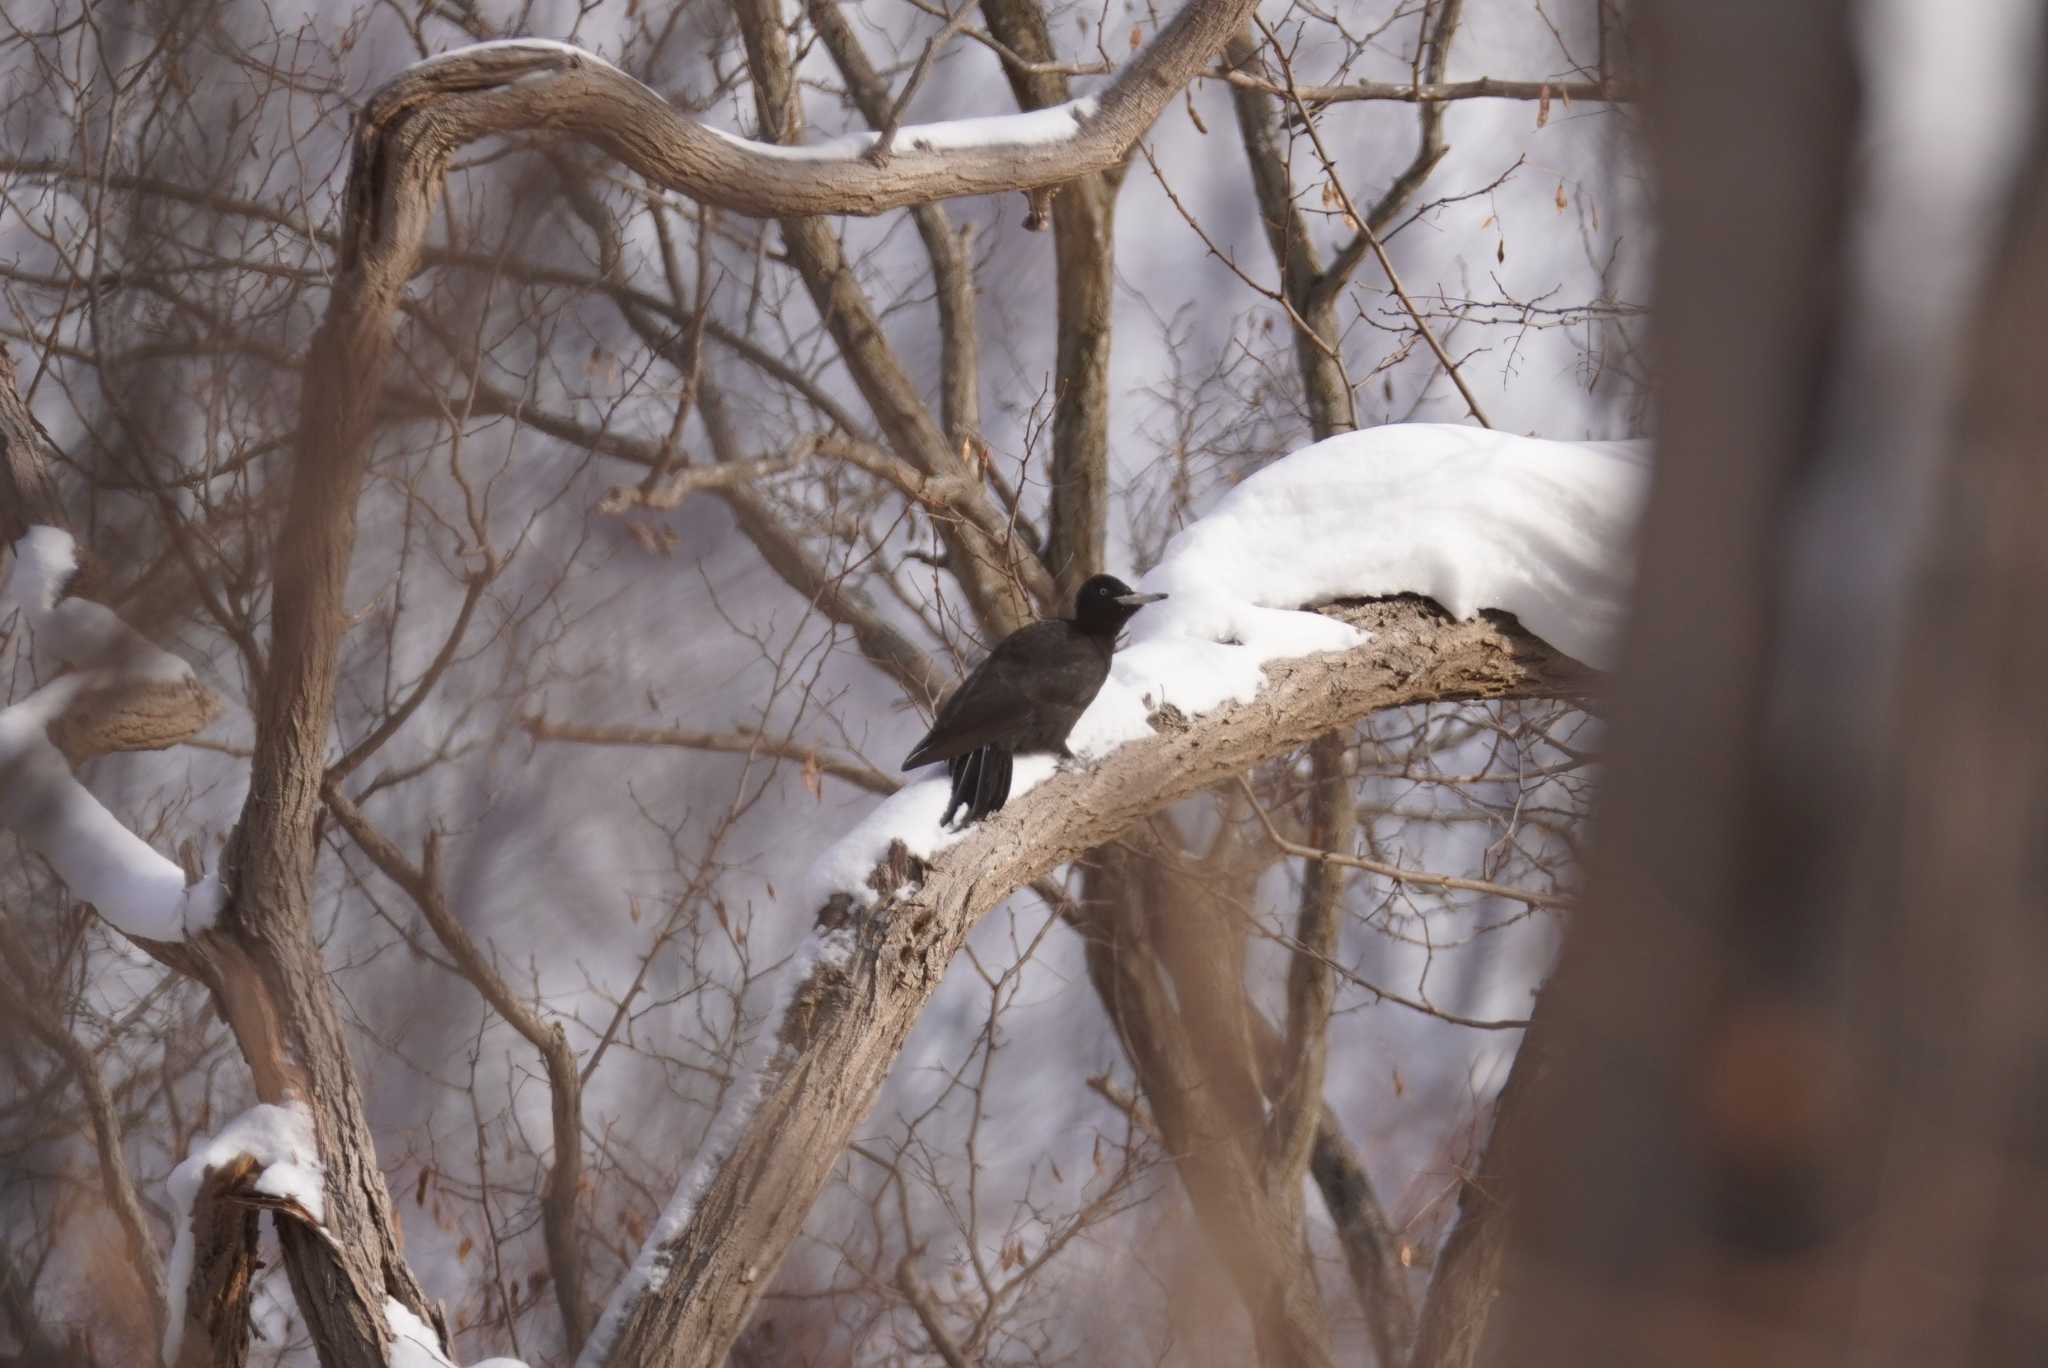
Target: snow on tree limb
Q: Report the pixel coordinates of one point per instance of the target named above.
(1469, 517)
(511, 84)
(266, 1157)
(124, 694)
(1214, 681)
(850, 1013)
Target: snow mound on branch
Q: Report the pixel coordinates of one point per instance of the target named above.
(1469, 517)
(280, 1139)
(101, 861)
(1474, 519)
(79, 631)
(1030, 128)
(1033, 128)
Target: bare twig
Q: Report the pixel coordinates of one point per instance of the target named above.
(1366, 230)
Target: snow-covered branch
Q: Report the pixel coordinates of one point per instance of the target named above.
(266, 1157)
(1217, 679)
(512, 84)
(873, 967)
(123, 694)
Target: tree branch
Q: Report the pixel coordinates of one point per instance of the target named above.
(872, 971)
(740, 742)
(1440, 92)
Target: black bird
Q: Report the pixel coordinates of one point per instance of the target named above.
(1026, 696)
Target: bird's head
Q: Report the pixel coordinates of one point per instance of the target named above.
(1105, 603)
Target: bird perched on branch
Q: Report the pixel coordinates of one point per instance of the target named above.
(1026, 696)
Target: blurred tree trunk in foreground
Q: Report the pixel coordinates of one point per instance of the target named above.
(1799, 1111)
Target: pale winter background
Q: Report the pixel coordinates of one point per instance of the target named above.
(676, 523)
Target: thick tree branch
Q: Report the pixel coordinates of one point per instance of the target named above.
(519, 84)
(849, 1015)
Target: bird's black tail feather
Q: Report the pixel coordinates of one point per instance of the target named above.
(981, 783)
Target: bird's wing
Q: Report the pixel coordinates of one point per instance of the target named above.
(989, 704)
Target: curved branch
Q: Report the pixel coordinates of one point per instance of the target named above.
(519, 84)
(871, 971)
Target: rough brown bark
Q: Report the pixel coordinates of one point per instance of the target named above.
(224, 1233)
(849, 1017)
(27, 493)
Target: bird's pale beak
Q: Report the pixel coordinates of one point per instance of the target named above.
(1138, 600)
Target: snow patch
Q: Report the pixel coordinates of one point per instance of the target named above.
(45, 559)
(1472, 518)
(1469, 517)
(281, 1141)
(415, 1345)
(78, 631)
(537, 46)
(413, 1342)
(101, 861)
(1034, 128)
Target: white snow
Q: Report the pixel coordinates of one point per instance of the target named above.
(45, 558)
(79, 631)
(1033, 128)
(414, 1344)
(280, 1139)
(1473, 518)
(101, 861)
(538, 46)
(1470, 517)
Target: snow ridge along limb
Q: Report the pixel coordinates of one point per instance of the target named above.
(135, 888)
(1467, 516)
